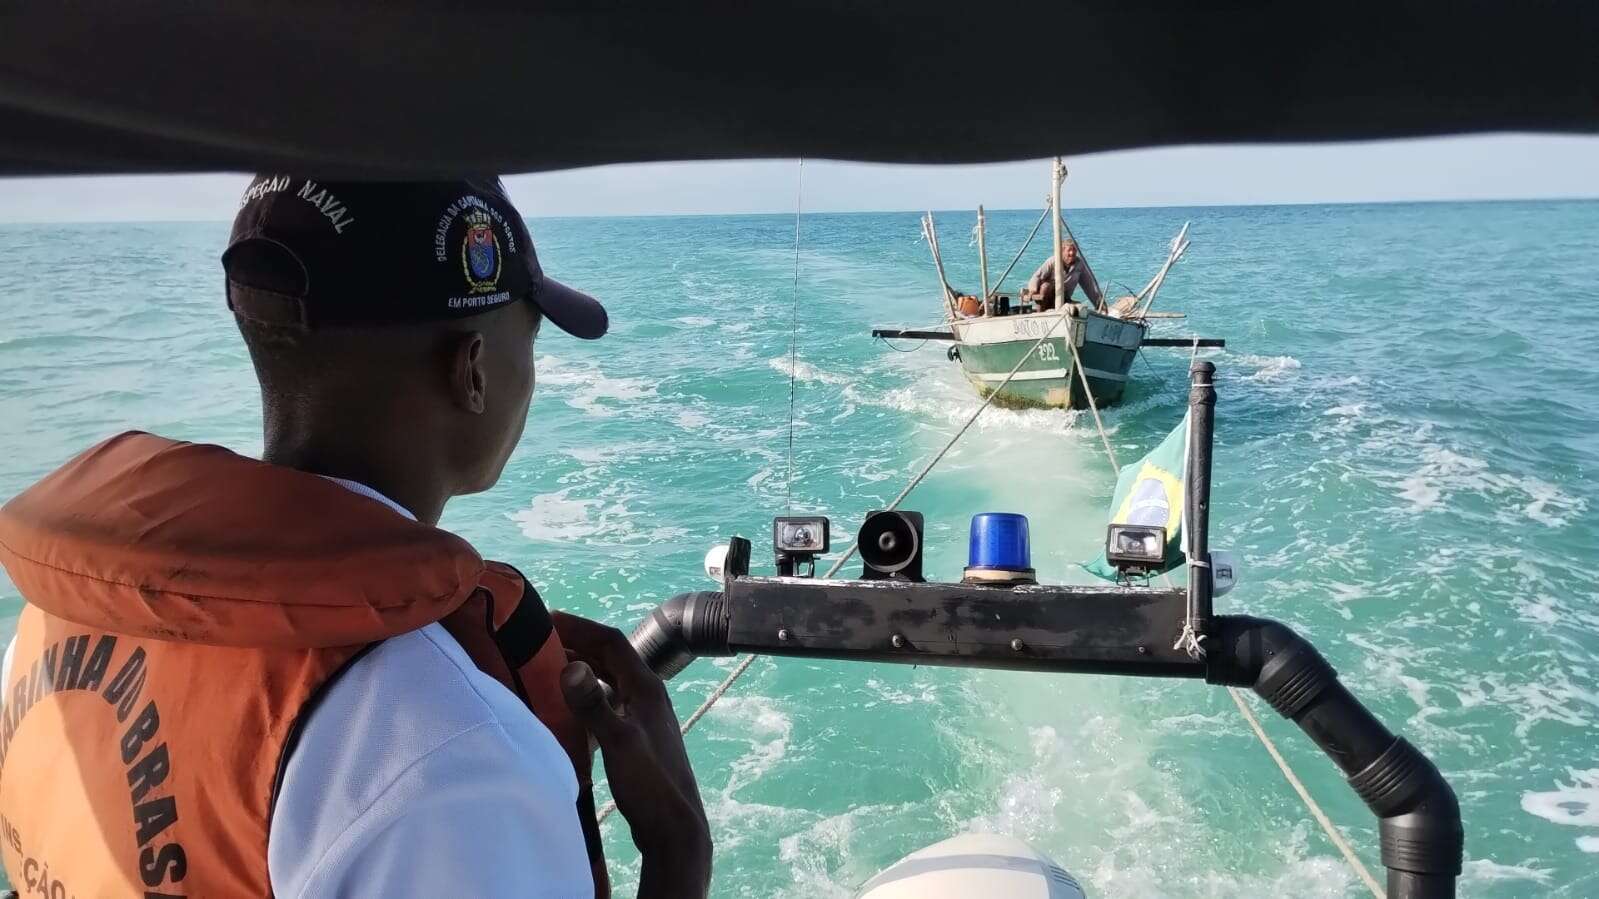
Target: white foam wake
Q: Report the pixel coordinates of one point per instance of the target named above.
(583, 386)
(1270, 368)
(1574, 804)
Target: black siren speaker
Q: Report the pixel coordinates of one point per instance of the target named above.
(891, 546)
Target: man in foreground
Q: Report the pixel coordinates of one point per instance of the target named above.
(250, 678)
(1074, 272)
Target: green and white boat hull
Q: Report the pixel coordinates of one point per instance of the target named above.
(990, 347)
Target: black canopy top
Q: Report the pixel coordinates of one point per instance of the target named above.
(389, 89)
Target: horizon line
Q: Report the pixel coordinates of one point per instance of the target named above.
(632, 215)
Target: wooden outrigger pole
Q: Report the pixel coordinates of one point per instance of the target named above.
(1179, 246)
(982, 258)
(930, 232)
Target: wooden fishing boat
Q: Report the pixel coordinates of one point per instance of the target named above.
(1077, 355)
(989, 347)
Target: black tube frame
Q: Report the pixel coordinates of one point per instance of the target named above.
(1102, 630)
(1202, 414)
(1125, 631)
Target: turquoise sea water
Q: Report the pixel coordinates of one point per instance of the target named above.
(1408, 435)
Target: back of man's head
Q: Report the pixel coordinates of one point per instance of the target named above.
(398, 313)
(297, 362)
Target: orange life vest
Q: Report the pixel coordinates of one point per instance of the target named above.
(185, 608)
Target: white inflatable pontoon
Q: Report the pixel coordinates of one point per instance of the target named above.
(974, 866)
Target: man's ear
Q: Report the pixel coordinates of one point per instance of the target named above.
(469, 379)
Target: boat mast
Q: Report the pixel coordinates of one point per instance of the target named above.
(982, 256)
(1055, 177)
(1057, 174)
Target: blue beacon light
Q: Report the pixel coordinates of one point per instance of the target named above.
(999, 551)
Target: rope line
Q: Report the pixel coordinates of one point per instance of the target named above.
(1293, 781)
(1093, 406)
(793, 336)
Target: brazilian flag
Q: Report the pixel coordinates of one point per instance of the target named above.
(1150, 493)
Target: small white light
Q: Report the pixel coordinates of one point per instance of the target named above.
(716, 562)
(795, 535)
(1223, 571)
(1132, 547)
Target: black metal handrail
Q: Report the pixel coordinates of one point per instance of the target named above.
(1020, 629)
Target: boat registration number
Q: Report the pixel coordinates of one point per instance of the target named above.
(1029, 327)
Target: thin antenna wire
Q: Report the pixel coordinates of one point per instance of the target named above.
(793, 334)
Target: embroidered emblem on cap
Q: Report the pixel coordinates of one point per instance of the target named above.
(480, 253)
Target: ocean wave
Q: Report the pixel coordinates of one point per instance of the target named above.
(822, 858)
(763, 724)
(600, 455)
(1269, 368)
(899, 694)
(600, 520)
(583, 386)
(1102, 793)
(1573, 804)
(805, 371)
(1443, 472)
(556, 517)
(690, 419)
(1427, 469)
(1482, 870)
(952, 410)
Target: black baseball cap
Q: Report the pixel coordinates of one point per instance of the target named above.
(344, 253)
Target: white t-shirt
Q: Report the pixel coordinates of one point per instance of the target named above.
(419, 775)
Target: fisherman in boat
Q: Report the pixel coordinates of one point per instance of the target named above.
(298, 684)
(1074, 273)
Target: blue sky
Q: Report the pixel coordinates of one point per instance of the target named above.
(1478, 167)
